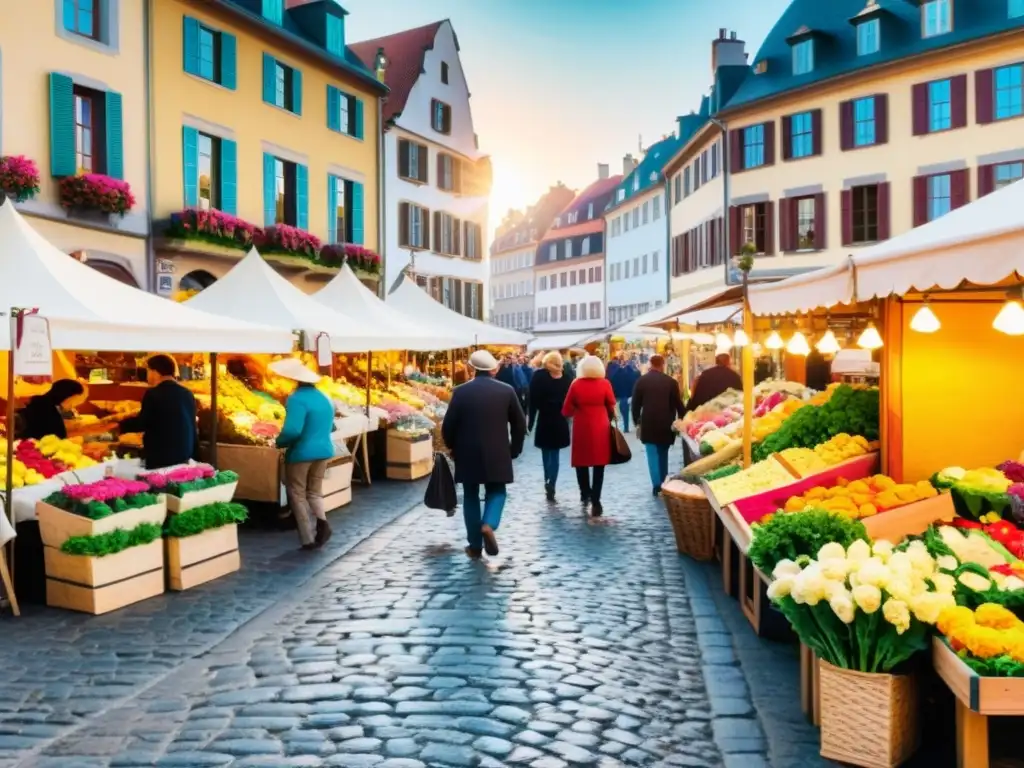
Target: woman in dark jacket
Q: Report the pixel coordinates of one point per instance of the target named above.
(41, 416)
(548, 389)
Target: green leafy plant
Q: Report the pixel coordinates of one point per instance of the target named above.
(223, 477)
(111, 543)
(788, 536)
(97, 510)
(199, 519)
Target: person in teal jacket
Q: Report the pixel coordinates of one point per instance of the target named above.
(306, 438)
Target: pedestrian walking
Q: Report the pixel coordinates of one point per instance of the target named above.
(484, 429)
(590, 403)
(567, 367)
(656, 404)
(714, 381)
(623, 380)
(520, 381)
(548, 389)
(306, 436)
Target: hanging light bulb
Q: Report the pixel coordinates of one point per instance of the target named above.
(798, 345)
(870, 338)
(828, 344)
(756, 349)
(740, 338)
(925, 320)
(1010, 319)
(723, 342)
(774, 341)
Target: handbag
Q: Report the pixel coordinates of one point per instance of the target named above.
(440, 492)
(620, 448)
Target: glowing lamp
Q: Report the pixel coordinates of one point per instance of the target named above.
(740, 338)
(828, 344)
(798, 345)
(723, 342)
(870, 338)
(1010, 319)
(774, 341)
(925, 320)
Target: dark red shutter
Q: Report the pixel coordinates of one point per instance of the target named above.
(423, 164)
(920, 106)
(884, 208)
(846, 214)
(769, 143)
(403, 158)
(816, 132)
(437, 232)
(920, 200)
(882, 118)
(735, 230)
(403, 222)
(769, 228)
(784, 229)
(424, 213)
(686, 253)
(787, 137)
(846, 124)
(986, 179)
(984, 96)
(820, 216)
(959, 188)
(736, 150)
(456, 237)
(958, 103)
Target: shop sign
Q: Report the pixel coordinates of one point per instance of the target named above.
(323, 350)
(33, 355)
(164, 267)
(165, 284)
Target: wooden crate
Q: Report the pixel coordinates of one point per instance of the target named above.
(338, 476)
(896, 524)
(412, 471)
(409, 459)
(102, 584)
(201, 498)
(56, 526)
(195, 560)
(259, 468)
(338, 499)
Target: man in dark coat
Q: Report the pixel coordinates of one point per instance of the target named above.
(167, 420)
(713, 382)
(623, 381)
(656, 404)
(484, 429)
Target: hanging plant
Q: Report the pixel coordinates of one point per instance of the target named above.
(19, 177)
(96, 192)
(212, 226)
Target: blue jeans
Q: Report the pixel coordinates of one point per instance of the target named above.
(624, 413)
(657, 463)
(549, 458)
(494, 503)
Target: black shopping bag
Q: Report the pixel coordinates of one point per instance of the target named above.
(441, 488)
(620, 448)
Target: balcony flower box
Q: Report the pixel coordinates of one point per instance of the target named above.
(94, 194)
(362, 260)
(288, 241)
(19, 177)
(212, 226)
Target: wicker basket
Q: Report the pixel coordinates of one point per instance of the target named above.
(867, 719)
(693, 524)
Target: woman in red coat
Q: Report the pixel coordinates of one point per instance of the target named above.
(591, 406)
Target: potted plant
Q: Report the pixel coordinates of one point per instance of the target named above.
(362, 259)
(96, 194)
(289, 241)
(19, 177)
(212, 226)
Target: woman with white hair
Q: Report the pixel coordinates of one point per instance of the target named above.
(590, 403)
(548, 389)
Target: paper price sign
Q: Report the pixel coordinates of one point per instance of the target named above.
(323, 350)
(33, 355)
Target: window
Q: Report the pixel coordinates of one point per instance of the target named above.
(646, 210)
(805, 224)
(563, 280)
(583, 311)
(445, 172)
(344, 113)
(284, 193)
(868, 37)
(542, 285)
(678, 184)
(937, 17)
(282, 85)
(644, 262)
(412, 161)
(686, 182)
(657, 207)
(802, 130)
(864, 122)
(440, 116)
(444, 72)
(473, 241)
(568, 249)
(753, 146)
(940, 200)
(1015, 9)
(636, 266)
(590, 211)
(563, 313)
(414, 226)
(209, 163)
(83, 18)
(590, 275)
(273, 10)
(754, 225)
(1007, 173)
(446, 234)
(87, 127)
(572, 278)
(585, 247)
(626, 263)
(803, 57)
(1009, 90)
(209, 54)
(335, 35)
(595, 310)
(940, 112)
(553, 252)
(583, 276)
(654, 260)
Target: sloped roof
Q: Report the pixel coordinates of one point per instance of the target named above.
(538, 217)
(598, 193)
(405, 52)
(649, 170)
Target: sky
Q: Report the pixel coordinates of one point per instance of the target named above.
(558, 86)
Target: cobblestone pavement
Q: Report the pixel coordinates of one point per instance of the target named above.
(586, 642)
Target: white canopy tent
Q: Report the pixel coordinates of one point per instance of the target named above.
(414, 303)
(88, 310)
(707, 307)
(253, 291)
(556, 341)
(346, 294)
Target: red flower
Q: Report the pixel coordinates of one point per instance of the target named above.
(96, 192)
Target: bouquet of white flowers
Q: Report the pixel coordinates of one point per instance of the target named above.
(866, 608)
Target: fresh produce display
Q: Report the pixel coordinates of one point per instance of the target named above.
(861, 498)
(780, 537)
(36, 461)
(122, 409)
(412, 425)
(762, 476)
(810, 461)
(805, 461)
(976, 492)
(989, 639)
(102, 498)
(771, 421)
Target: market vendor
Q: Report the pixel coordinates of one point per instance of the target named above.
(43, 416)
(714, 381)
(167, 420)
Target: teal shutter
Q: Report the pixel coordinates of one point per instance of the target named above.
(269, 196)
(190, 44)
(62, 125)
(332, 208)
(228, 61)
(333, 108)
(69, 15)
(115, 136)
(229, 177)
(297, 91)
(190, 165)
(301, 197)
(359, 118)
(269, 67)
(356, 216)
(336, 35)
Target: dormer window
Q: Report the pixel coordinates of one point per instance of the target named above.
(444, 72)
(803, 57)
(273, 11)
(636, 183)
(590, 211)
(620, 196)
(869, 37)
(1015, 9)
(936, 17)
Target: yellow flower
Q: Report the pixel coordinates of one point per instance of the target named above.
(900, 588)
(810, 586)
(974, 581)
(996, 617)
(955, 619)
(874, 572)
(927, 607)
(831, 551)
(842, 606)
(882, 549)
(858, 552)
(1015, 645)
(867, 597)
(781, 587)
(897, 613)
(944, 583)
(984, 642)
(785, 568)
(834, 568)
(900, 564)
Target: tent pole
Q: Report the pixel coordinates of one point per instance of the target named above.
(452, 353)
(9, 479)
(369, 373)
(388, 363)
(213, 409)
(748, 378)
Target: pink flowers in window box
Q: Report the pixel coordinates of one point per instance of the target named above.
(160, 480)
(104, 490)
(96, 192)
(19, 177)
(212, 226)
(282, 238)
(356, 256)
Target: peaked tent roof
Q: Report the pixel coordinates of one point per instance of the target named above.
(88, 310)
(405, 51)
(345, 293)
(253, 290)
(413, 302)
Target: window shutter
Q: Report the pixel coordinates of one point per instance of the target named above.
(269, 193)
(190, 42)
(846, 125)
(884, 211)
(457, 176)
(816, 132)
(920, 200)
(228, 176)
(712, 237)
(440, 170)
(190, 165)
(403, 157)
(228, 61)
(846, 214)
(735, 230)
(784, 225)
(787, 137)
(269, 66)
(735, 152)
(820, 222)
(302, 197)
(686, 253)
(437, 232)
(357, 214)
(332, 207)
(358, 110)
(769, 143)
(115, 135)
(984, 96)
(333, 109)
(882, 118)
(769, 228)
(62, 125)
(919, 97)
(986, 179)
(403, 224)
(958, 100)
(425, 216)
(423, 153)
(456, 237)
(297, 91)
(959, 188)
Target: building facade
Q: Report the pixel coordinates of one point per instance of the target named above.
(513, 254)
(569, 274)
(438, 182)
(73, 101)
(266, 116)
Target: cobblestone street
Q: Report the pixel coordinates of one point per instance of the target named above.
(586, 642)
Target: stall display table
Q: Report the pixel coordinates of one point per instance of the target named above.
(260, 470)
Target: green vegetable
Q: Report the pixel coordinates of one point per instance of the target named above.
(972, 504)
(715, 474)
(706, 449)
(118, 540)
(199, 519)
(788, 536)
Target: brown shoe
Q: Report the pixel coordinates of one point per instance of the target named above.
(323, 532)
(473, 554)
(490, 540)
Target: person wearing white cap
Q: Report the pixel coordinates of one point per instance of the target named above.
(306, 434)
(484, 429)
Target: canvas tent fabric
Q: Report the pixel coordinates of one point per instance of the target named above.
(88, 310)
(413, 302)
(557, 341)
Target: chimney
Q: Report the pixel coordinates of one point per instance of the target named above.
(727, 51)
(602, 170)
(628, 164)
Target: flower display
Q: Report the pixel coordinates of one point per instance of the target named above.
(103, 497)
(782, 537)
(104, 490)
(37, 461)
(358, 257)
(989, 639)
(182, 480)
(212, 226)
(96, 192)
(282, 238)
(19, 177)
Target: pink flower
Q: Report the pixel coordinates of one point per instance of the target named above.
(104, 490)
(179, 475)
